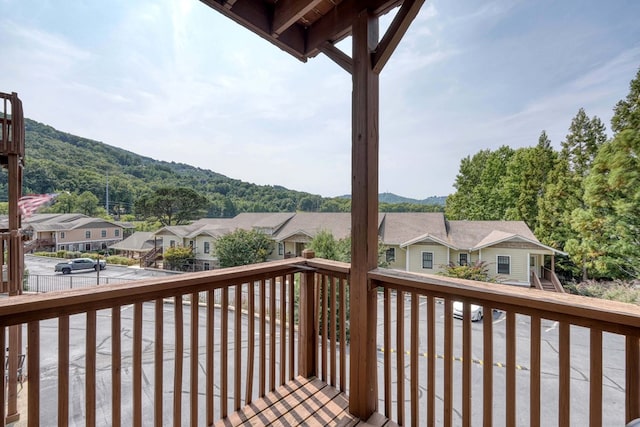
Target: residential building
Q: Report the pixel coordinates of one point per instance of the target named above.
(418, 242)
(72, 232)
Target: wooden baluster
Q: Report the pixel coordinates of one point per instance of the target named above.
(415, 322)
(3, 383)
(564, 374)
(177, 364)
(224, 331)
(292, 325)
(237, 347)
(431, 361)
(632, 374)
(283, 330)
(137, 364)
(116, 366)
(63, 370)
(534, 375)
(250, 342)
(332, 332)
(33, 398)
(510, 337)
(263, 339)
(343, 336)
(158, 361)
(400, 354)
(90, 369)
(325, 326)
(210, 352)
(272, 334)
(466, 365)
(448, 363)
(595, 378)
(387, 352)
(193, 369)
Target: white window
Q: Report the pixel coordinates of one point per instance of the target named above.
(427, 260)
(207, 248)
(62, 234)
(390, 255)
(103, 233)
(280, 248)
(172, 243)
(504, 264)
(117, 232)
(87, 234)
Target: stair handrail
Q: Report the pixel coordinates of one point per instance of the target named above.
(550, 275)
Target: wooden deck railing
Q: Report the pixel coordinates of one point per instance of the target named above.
(139, 352)
(431, 362)
(147, 344)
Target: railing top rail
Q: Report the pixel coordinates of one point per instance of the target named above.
(612, 316)
(25, 308)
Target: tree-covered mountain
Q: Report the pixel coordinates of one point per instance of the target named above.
(58, 162)
(391, 198)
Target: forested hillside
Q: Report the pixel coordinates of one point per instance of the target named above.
(58, 162)
(583, 199)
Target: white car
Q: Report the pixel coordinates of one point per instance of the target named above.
(476, 311)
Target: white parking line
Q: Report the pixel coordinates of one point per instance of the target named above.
(555, 324)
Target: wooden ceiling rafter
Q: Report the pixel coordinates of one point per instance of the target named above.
(288, 12)
(303, 27)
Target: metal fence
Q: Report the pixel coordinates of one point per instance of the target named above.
(42, 283)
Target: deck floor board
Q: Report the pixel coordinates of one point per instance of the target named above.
(300, 402)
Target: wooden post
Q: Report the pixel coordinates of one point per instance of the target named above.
(308, 339)
(363, 393)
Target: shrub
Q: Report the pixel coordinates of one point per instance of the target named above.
(120, 260)
(477, 271)
(628, 292)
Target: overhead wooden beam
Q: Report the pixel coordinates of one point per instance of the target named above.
(257, 17)
(407, 13)
(288, 12)
(337, 56)
(336, 25)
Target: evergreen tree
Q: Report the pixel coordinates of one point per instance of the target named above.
(627, 112)
(526, 179)
(610, 226)
(564, 194)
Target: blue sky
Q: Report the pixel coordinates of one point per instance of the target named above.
(176, 81)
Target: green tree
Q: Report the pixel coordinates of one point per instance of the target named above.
(178, 258)
(87, 204)
(461, 204)
(172, 205)
(243, 247)
(627, 111)
(479, 187)
(65, 203)
(610, 224)
(526, 178)
(328, 247)
(564, 194)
